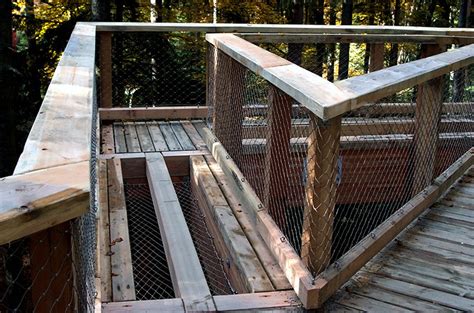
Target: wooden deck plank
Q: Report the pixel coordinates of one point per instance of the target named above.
(103, 230)
(193, 134)
(257, 301)
(271, 266)
(119, 138)
(146, 143)
(397, 299)
(123, 287)
(181, 135)
(145, 306)
(451, 220)
(131, 136)
(368, 304)
(186, 272)
(157, 137)
(454, 211)
(107, 139)
(423, 293)
(247, 264)
(170, 137)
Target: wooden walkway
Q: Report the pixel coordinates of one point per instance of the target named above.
(430, 267)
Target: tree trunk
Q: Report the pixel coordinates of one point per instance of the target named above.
(344, 52)
(295, 49)
(332, 46)
(156, 11)
(316, 16)
(8, 150)
(371, 21)
(396, 21)
(101, 10)
(460, 75)
(33, 66)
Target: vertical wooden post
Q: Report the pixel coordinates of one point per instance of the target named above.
(429, 103)
(229, 84)
(376, 56)
(277, 158)
(105, 66)
(322, 158)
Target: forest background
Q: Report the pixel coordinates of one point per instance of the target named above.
(33, 34)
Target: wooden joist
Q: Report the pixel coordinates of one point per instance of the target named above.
(187, 275)
(153, 113)
(41, 199)
(244, 266)
(123, 286)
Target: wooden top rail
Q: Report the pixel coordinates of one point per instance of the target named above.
(328, 100)
(279, 28)
(61, 133)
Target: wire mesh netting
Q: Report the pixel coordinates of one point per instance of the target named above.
(150, 269)
(329, 184)
(158, 69)
(211, 262)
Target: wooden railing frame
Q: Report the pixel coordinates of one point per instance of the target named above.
(71, 96)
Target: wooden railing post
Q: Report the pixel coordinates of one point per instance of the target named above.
(376, 56)
(229, 86)
(277, 158)
(322, 159)
(105, 66)
(429, 104)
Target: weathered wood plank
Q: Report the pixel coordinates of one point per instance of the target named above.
(153, 113)
(376, 56)
(146, 143)
(157, 137)
(247, 264)
(170, 137)
(367, 304)
(107, 139)
(188, 278)
(182, 137)
(123, 287)
(103, 236)
(131, 137)
(194, 135)
(38, 200)
(257, 301)
(296, 272)
(145, 306)
(70, 97)
(269, 263)
(119, 137)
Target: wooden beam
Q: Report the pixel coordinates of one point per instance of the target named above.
(257, 301)
(123, 286)
(105, 68)
(103, 235)
(377, 51)
(320, 192)
(335, 276)
(70, 97)
(188, 278)
(244, 217)
(145, 306)
(244, 266)
(154, 113)
(429, 102)
(107, 139)
(296, 272)
(277, 157)
(41, 199)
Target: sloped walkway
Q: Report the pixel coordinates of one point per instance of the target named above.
(430, 267)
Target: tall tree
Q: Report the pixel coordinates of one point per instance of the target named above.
(8, 117)
(460, 75)
(371, 21)
(396, 21)
(101, 10)
(344, 51)
(332, 46)
(315, 14)
(295, 17)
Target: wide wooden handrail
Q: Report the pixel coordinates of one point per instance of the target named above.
(328, 100)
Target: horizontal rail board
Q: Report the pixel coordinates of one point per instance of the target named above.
(150, 113)
(41, 199)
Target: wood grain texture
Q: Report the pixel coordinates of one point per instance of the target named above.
(152, 113)
(70, 97)
(41, 199)
(123, 286)
(187, 275)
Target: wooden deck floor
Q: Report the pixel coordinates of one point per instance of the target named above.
(430, 267)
